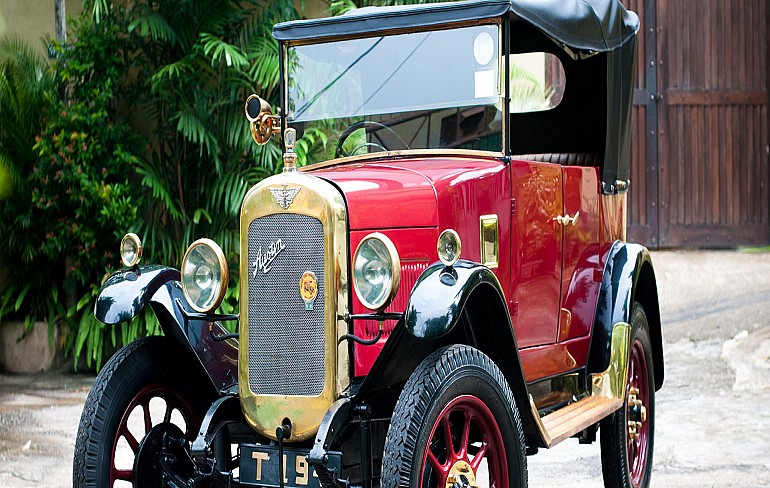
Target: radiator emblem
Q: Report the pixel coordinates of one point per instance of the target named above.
(284, 196)
(264, 259)
(308, 289)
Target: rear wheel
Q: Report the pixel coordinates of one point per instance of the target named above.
(455, 423)
(145, 384)
(627, 436)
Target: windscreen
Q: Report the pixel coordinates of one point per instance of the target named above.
(422, 90)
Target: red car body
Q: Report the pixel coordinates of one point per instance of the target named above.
(551, 274)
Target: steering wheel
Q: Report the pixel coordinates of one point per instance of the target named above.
(339, 152)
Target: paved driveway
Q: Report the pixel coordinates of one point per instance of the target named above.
(713, 414)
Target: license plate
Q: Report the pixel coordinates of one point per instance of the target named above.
(259, 467)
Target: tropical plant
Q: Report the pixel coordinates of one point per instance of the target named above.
(184, 70)
(25, 79)
(201, 60)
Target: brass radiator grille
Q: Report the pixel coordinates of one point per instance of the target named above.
(286, 341)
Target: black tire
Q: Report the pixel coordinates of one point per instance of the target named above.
(149, 368)
(627, 459)
(461, 389)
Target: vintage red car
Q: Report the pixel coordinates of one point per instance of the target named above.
(443, 291)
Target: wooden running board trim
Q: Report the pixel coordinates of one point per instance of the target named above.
(568, 421)
(608, 393)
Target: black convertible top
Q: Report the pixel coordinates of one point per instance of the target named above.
(590, 25)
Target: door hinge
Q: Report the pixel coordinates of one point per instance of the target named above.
(513, 207)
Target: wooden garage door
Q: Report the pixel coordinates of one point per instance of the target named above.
(643, 192)
(709, 125)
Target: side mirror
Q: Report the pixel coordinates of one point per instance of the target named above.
(262, 121)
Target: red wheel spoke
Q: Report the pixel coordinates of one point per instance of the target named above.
(167, 415)
(463, 453)
(147, 419)
(123, 474)
(132, 442)
(459, 415)
(450, 450)
(479, 456)
(437, 466)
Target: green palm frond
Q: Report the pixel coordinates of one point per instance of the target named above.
(221, 52)
(155, 25)
(190, 124)
(100, 9)
(171, 74)
(159, 187)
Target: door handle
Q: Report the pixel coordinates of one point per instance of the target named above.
(566, 219)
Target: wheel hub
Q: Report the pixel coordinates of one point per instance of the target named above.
(164, 441)
(637, 413)
(461, 476)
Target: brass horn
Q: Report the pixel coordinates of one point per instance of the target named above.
(262, 122)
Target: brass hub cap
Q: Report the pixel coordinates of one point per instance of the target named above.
(637, 413)
(461, 475)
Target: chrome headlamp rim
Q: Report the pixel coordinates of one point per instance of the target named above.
(131, 237)
(223, 270)
(454, 236)
(395, 278)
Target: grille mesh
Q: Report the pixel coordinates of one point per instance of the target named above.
(286, 342)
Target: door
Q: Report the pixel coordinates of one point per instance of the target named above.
(643, 191)
(712, 58)
(699, 164)
(536, 252)
(580, 251)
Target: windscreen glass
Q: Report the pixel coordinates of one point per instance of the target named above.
(424, 90)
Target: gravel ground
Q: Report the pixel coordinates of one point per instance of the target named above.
(713, 413)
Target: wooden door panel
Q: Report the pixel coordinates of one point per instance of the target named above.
(713, 122)
(643, 191)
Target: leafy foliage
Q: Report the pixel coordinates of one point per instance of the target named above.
(199, 61)
(25, 79)
(185, 69)
(83, 198)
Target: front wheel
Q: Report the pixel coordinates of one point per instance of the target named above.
(147, 383)
(455, 423)
(627, 435)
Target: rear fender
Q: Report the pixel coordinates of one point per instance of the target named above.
(628, 277)
(124, 295)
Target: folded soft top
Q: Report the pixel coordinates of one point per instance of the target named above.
(589, 25)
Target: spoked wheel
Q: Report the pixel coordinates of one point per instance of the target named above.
(467, 422)
(627, 435)
(146, 386)
(455, 424)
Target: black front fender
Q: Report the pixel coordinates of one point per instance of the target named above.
(440, 294)
(127, 292)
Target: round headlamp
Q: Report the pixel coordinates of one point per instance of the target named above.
(376, 271)
(204, 275)
(130, 250)
(449, 247)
